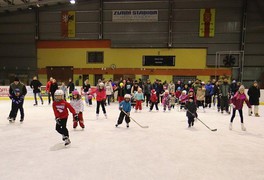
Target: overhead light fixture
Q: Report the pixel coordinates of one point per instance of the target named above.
(72, 1)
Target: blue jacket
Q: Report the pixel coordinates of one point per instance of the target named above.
(125, 105)
(209, 89)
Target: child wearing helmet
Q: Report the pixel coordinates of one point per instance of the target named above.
(77, 104)
(166, 100)
(17, 103)
(60, 108)
(183, 99)
(125, 108)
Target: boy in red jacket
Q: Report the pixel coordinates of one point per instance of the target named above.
(60, 108)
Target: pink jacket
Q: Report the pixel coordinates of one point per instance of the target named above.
(239, 99)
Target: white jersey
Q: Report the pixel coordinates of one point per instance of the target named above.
(77, 105)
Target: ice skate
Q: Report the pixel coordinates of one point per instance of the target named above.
(116, 125)
(67, 141)
(257, 115)
(127, 125)
(97, 116)
(230, 126)
(64, 137)
(243, 127)
(21, 120)
(105, 115)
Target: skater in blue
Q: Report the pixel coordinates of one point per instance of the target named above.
(125, 108)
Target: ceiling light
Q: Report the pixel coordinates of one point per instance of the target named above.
(72, 1)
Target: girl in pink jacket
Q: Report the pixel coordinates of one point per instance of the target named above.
(237, 102)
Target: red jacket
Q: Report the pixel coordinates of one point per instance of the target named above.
(239, 99)
(100, 94)
(48, 86)
(60, 109)
(153, 97)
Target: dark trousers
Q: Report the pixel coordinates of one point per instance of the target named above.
(14, 110)
(35, 97)
(109, 99)
(61, 128)
(208, 101)
(152, 105)
(200, 103)
(49, 95)
(190, 119)
(100, 103)
(234, 114)
(224, 103)
(121, 117)
(147, 97)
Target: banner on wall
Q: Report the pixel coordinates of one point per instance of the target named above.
(68, 24)
(207, 22)
(135, 15)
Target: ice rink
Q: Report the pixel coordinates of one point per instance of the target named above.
(167, 150)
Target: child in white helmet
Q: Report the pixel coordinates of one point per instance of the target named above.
(60, 108)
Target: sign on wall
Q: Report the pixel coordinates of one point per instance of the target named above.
(158, 60)
(207, 22)
(68, 24)
(135, 16)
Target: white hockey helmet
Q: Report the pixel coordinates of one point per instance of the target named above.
(101, 84)
(58, 95)
(127, 96)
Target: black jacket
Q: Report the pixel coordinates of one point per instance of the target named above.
(191, 109)
(35, 85)
(254, 95)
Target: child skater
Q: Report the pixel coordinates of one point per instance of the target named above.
(183, 99)
(139, 97)
(100, 98)
(200, 97)
(172, 100)
(153, 100)
(60, 108)
(124, 106)
(77, 105)
(17, 103)
(166, 100)
(191, 109)
(237, 102)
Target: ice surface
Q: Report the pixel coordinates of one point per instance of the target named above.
(167, 150)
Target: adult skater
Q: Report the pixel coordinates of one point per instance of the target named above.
(124, 106)
(48, 85)
(224, 96)
(191, 109)
(254, 95)
(237, 103)
(71, 87)
(60, 108)
(35, 84)
(14, 88)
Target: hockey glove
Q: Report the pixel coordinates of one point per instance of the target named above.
(58, 120)
(76, 118)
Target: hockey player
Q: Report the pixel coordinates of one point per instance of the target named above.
(191, 113)
(237, 102)
(17, 103)
(77, 105)
(60, 108)
(125, 108)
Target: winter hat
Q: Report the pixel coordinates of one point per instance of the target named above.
(179, 88)
(255, 81)
(127, 96)
(121, 84)
(191, 90)
(16, 79)
(153, 91)
(234, 81)
(75, 92)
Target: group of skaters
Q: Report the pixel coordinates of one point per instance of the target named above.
(131, 94)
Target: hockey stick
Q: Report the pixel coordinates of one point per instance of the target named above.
(135, 120)
(202, 121)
